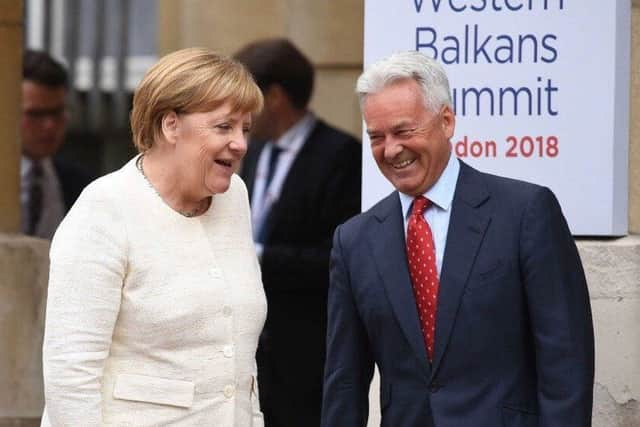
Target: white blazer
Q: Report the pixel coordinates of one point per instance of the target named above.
(152, 318)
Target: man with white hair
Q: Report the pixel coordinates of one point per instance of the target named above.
(466, 289)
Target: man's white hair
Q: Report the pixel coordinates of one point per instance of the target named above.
(428, 73)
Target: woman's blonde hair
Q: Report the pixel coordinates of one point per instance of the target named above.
(188, 81)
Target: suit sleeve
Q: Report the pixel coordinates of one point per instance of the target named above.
(308, 264)
(560, 315)
(349, 365)
(86, 274)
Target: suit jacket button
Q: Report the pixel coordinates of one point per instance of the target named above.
(434, 387)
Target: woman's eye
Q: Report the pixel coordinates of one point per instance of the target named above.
(224, 126)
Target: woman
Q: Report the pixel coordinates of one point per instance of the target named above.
(155, 299)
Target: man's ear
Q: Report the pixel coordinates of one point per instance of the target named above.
(170, 127)
(275, 97)
(448, 121)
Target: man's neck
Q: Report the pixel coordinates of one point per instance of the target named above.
(287, 121)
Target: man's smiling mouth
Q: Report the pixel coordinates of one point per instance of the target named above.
(403, 164)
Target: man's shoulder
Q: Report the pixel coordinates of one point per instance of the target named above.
(331, 135)
(378, 212)
(69, 172)
(73, 179)
(497, 186)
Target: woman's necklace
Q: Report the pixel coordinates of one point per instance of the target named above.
(203, 206)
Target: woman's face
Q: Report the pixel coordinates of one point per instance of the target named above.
(210, 146)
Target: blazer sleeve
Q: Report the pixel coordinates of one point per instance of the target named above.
(560, 315)
(349, 364)
(88, 262)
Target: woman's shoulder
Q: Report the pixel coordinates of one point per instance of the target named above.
(236, 193)
(111, 186)
(237, 184)
(101, 203)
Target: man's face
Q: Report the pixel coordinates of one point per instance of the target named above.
(44, 119)
(409, 142)
(265, 124)
(262, 129)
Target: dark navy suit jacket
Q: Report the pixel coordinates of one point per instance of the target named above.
(514, 335)
(72, 180)
(321, 190)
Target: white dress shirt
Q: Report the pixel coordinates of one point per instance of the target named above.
(53, 208)
(439, 213)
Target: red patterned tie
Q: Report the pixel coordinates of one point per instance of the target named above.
(424, 274)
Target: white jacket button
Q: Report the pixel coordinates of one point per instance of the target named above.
(229, 391)
(228, 351)
(226, 311)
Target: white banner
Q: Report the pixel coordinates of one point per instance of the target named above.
(541, 93)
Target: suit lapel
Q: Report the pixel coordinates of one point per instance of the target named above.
(388, 246)
(467, 226)
(250, 165)
(292, 181)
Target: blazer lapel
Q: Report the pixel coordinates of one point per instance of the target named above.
(388, 246)
(291, 182)
(467, 226)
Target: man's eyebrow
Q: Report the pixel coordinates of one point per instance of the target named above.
(405, 124)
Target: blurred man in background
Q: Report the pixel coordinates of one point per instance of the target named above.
(303, 178)
(48, 186)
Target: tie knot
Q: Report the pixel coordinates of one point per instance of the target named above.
(36, 169)
(420, 204)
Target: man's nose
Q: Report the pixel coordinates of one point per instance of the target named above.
(49, 121)
(392, 149)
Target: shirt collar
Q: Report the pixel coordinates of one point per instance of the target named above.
(440, 193)
(289, 140)
(26, 164)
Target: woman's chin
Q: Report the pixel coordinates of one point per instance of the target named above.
(219, 186)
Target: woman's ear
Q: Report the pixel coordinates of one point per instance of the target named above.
(170, 127)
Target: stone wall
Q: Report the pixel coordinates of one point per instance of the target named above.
(24, 263)
(613, 274)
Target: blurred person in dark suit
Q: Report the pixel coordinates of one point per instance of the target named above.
(49, 186)
(303, 177)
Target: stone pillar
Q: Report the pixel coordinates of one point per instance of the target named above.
(24, 263)
(10, 76)
(23, 260)
(613, 273)
(634, 123)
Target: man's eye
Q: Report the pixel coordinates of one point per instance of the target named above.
(224, 126)
(404, 132)
(375, 139)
